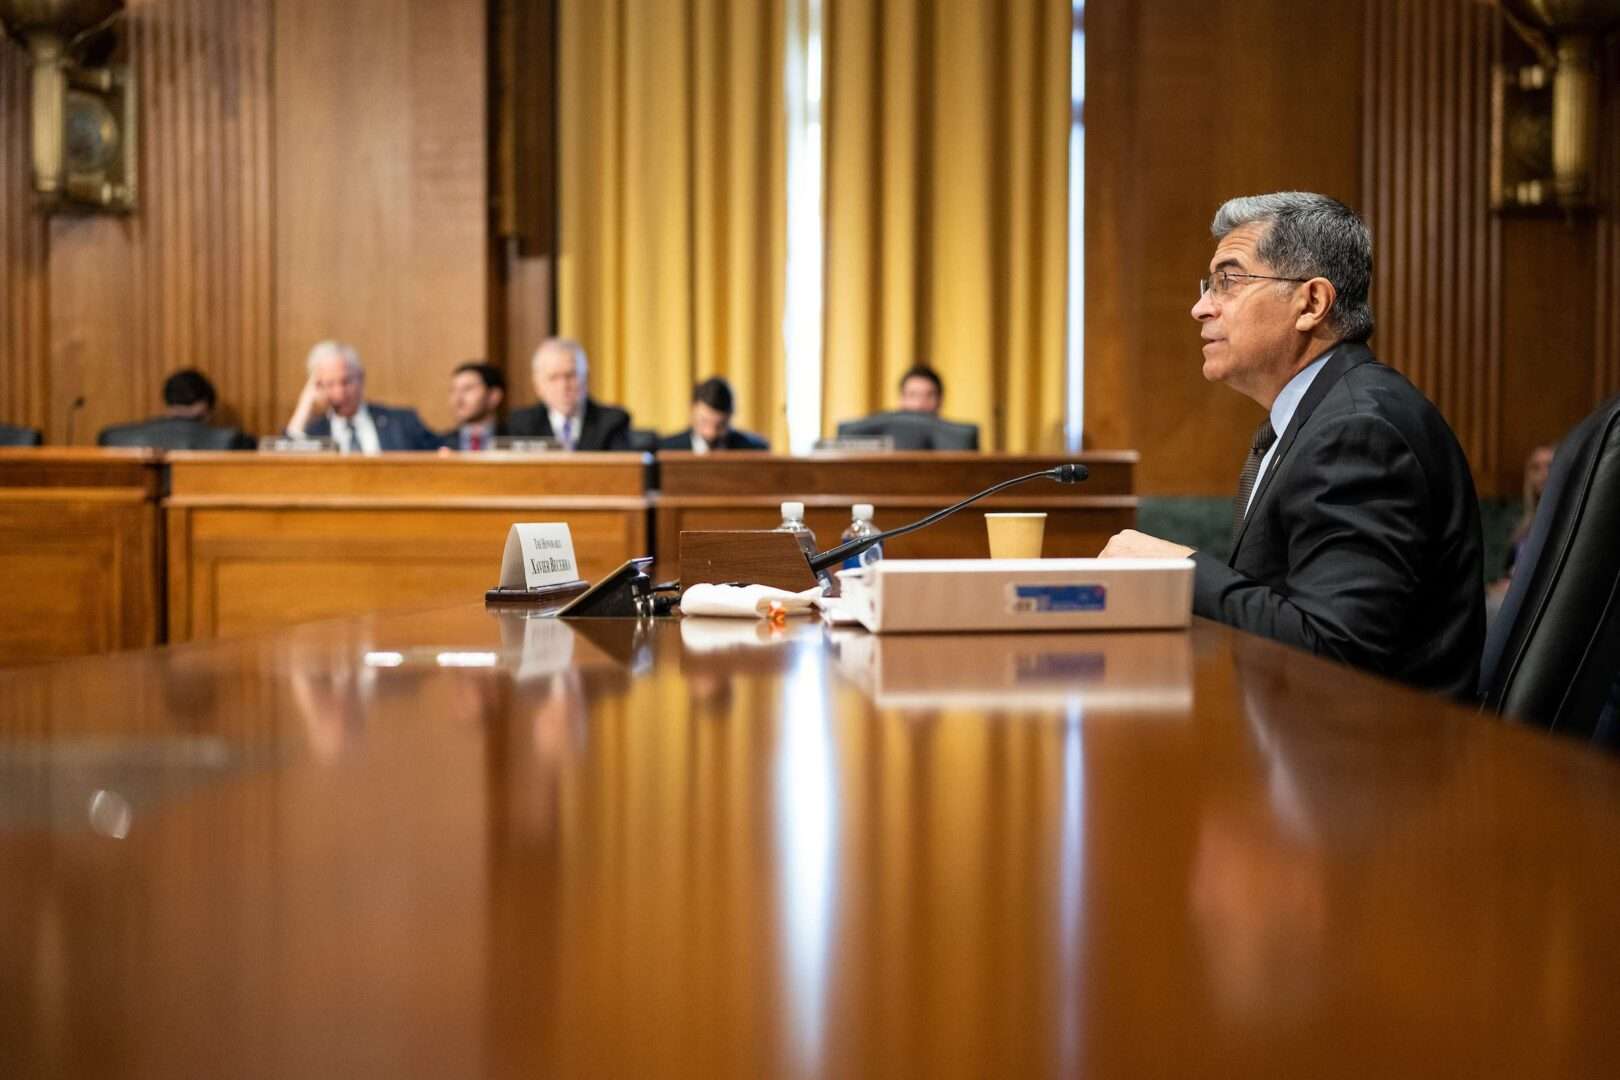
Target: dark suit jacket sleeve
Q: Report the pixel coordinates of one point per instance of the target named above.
(529, 423)
(615, 428)
(1354, 504)
(422, 437)
(683, 441)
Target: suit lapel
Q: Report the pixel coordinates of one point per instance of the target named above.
(1344, 357)
(379, 420)
(585, 417)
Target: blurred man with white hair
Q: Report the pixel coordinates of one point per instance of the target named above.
(333, 405)
(566, 411)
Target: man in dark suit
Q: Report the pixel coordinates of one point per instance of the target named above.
(566, 412)
(333, 405)
(476, 392)
(1356, 529)
(711, 428)
(188, 406)
(916, 424)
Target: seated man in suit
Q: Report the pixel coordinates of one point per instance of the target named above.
(711, 423)
(333, 405)
(916, 424)
(188, 406)
(566, 411)
(476, 392)
(1356, 528)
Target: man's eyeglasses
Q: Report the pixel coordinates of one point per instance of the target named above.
(1222, 282)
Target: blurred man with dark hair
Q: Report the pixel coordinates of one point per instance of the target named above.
(189, 395)
(712, 406)
(188, 406)
(476, 392)
(921, 390)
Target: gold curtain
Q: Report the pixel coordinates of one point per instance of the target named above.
(672, 202)
(947, 209)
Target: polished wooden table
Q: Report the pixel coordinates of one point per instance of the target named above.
(81, 546)
(467, 844)
(261, 540)
(745, 490)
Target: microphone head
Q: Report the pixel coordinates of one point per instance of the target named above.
(1071, 473)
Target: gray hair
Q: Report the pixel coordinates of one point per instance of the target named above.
(569, 345)
(323, 349)
(1308, 236)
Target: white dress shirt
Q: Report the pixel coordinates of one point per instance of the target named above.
(365, 429)
(700, 445)
(486, 434)
(557, 419)
(1282, 411)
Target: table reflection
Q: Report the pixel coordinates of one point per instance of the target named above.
(1101, 672)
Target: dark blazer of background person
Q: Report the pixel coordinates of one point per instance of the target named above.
(1363, 539)
(734, 440)
(397, 429)
(175, 433)
(602, 427)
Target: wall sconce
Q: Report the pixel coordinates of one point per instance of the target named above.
(84, 106)
(1544, 115)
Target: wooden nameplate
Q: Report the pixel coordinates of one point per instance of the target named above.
(546, 594)
(748, 557)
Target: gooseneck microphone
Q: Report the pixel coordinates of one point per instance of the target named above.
(1064, 474)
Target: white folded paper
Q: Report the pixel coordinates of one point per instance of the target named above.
(744, 601)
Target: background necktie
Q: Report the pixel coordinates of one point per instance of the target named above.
(567, 433)
(1263, 438)
(354, 439)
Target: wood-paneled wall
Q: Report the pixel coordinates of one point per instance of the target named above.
(308, 170)
(1425, 194)
(1510, 323)
(24, 388)
(1606, 344)
(381, 204)
(1188, 103)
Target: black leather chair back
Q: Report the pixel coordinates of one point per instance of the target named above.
(175, 434)
(21, 436)
(1553, 655)
(914, 431)
(643, 440)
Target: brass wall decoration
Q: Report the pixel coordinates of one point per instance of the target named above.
(84, 103)
(1544, 115)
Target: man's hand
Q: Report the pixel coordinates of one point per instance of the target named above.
(1131, 544)
(311, 403)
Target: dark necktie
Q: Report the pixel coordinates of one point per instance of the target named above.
(354, 439)
(1263, 438)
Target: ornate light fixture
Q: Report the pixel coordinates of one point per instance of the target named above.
(84, 107)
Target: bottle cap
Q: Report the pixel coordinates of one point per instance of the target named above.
(863, 511)
(792, 510)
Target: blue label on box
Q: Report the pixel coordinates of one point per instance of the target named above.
(1053, 598)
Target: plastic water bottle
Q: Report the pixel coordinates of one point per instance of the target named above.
(861, 526)
(793, 522)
